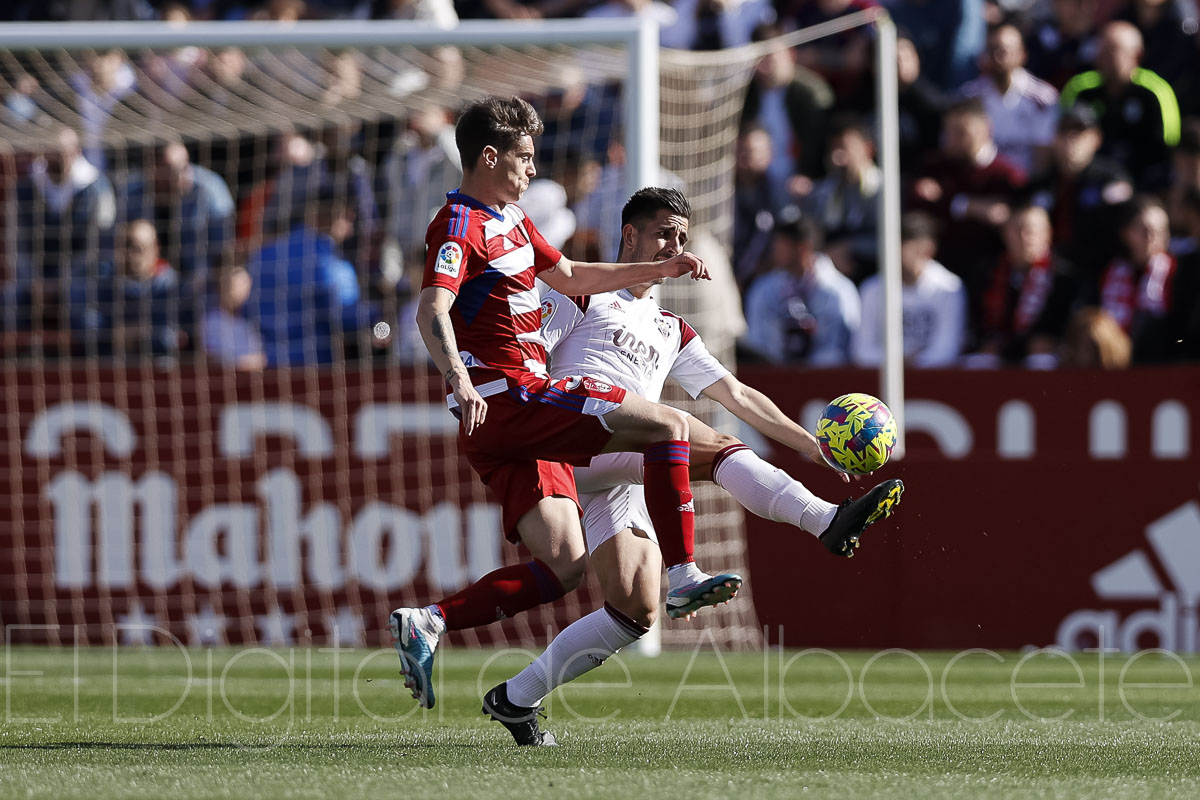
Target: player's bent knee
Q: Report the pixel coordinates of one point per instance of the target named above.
(638, 609)
(569, 571)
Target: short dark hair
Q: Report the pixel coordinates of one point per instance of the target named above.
(646, 203)
(849, 122)
(916, 225)
(1135, 207)
(496, 121)
(971, 107)
(802, 230)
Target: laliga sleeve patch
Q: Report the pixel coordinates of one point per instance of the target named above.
(548, 309)
(449, 259)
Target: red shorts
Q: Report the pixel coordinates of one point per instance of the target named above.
(531, 435)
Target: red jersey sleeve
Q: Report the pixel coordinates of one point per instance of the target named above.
(545, 255)
(447, 248)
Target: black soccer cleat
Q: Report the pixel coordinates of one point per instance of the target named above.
(853, 517)
(521, 722)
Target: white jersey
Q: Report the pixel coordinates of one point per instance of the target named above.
(630, 342)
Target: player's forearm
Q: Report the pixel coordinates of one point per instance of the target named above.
(760, 412)
(591, 278)
(438, 334)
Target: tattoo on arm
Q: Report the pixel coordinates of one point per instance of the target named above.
(444, 333)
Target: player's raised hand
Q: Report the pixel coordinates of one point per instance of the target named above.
(471, 404)
(687, 264)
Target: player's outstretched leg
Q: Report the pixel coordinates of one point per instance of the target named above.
(666, 468)
(853, 517)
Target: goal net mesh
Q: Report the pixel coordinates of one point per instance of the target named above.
(232, 438)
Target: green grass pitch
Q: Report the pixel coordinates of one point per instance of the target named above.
(104, 723)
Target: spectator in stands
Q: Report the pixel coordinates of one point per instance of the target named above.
(435, 12)
(344, 81)
(670, 33)
(62, 214)
(134, 308)
(422, 166)
(1081, 190)
(968, 188)
(1137, 109)
(226, 73)
(803, 310)
(1064, 45)
(599, 213)
(1023, 109)
(293, 175)
(1138, 287)
(1185, 172)
(718, 24)
(755, 207)
(107, 80)
(792, 105)
(304, 294)
(949, 36)
(229, 338)
(844, 201)
(579, 118)
(1031, 297)
(342, 166)
(921, 106)
(1094, 340)
(1170, 51)
(933, 300)
(1184, 333)
(843, 59)
(26, 100)
(191, 209)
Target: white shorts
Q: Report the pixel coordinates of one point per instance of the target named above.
(606, 513)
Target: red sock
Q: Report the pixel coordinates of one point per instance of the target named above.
(502, 593)
(669, 500)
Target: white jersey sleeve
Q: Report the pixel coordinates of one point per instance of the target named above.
(695, 369)
(560, 315)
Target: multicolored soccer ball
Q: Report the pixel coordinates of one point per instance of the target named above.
(856, 433)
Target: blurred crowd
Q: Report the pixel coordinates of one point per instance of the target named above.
(1050, 160)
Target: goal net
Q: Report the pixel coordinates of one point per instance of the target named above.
(220, 422)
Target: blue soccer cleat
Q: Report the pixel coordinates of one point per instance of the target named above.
(707, 590)
(415, 636)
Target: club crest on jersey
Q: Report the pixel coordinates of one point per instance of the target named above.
(664, 327)
(449, 259)
(548, 309)
(593, 385)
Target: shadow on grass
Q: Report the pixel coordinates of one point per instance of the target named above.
(169, 746)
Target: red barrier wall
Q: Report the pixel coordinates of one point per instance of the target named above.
(1039, 508)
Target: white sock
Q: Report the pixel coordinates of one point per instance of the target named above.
(684, 574)
(770, 492)
(437, 623)
(579, 648)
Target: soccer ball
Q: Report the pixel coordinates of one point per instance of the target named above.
(856, 433)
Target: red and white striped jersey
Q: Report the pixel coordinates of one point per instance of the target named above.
(630, 342)
(490, 260)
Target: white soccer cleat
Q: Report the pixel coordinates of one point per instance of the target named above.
(702, 590)
(415, 636)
